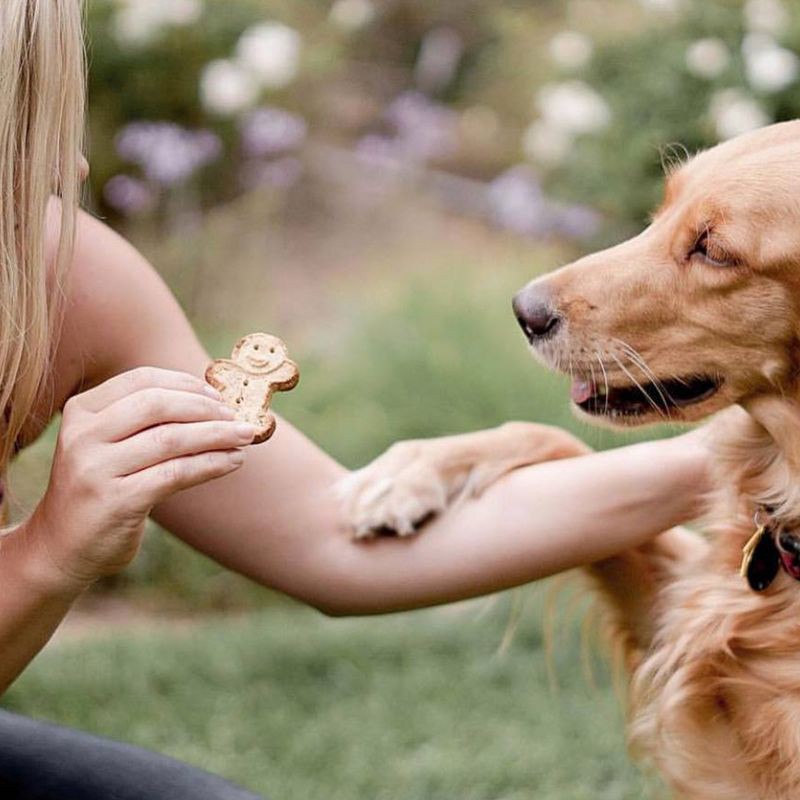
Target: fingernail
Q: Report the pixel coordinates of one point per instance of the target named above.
(245, 431)
(212, 392)
(237, 457)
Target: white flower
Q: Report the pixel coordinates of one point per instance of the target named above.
(136, 25)
(352, 15)
(735, 112)
(270, 51)
(766, 16)
(182, 12)
(138, 22)
(768, 66)
(573, 106)
(666, 7)
(546, 144)
(707, 58)
(571, 50)
(227, 89)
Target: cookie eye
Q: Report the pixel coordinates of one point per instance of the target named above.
(255, 347)
(272, 349)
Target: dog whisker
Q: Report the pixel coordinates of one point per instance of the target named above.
(591, 373)
(605, 378)
(639, 361)
(660, 411)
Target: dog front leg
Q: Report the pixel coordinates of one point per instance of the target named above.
(417, 479)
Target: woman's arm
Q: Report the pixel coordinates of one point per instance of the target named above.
(278, 521)
(533, 522)
(34, 600)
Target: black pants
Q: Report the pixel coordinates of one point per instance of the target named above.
(41, 761)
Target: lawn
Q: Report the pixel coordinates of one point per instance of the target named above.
(423, 706)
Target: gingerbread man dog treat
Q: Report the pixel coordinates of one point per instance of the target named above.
(259, 365)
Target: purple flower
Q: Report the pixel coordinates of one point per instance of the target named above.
(424, 130)
(130, 196)
(272, 131)
(517, 203)
(577, 222)
(282, 173)
(419, 131)
(377, 150)
(167, 153)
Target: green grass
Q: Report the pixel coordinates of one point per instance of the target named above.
(421, 706)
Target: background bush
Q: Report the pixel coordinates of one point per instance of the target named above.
(634, 58)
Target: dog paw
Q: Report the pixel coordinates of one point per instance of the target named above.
(395, 494)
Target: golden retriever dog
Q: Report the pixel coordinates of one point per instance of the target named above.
(698, 312)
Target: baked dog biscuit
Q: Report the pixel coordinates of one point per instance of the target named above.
(259, 366)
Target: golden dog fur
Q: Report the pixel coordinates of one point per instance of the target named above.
(711, 288)
(715, 683)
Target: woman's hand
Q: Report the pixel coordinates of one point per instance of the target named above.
(124, 446)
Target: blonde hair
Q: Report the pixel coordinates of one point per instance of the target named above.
(42, 91)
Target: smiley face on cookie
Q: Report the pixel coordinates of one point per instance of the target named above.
(259, 366)
(260, 353)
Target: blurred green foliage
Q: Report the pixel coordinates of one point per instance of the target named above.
(347, 79)
(660, 109)
(159, 80)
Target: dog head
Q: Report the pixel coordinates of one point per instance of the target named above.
(699, 311)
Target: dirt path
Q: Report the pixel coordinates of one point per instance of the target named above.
(95, 617)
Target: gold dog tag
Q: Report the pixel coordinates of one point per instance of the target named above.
(750, 548)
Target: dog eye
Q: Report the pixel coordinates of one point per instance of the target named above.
(710, 253)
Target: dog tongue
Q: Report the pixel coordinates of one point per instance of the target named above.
(581, 390)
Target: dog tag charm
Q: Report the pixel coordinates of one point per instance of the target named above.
(760, 559)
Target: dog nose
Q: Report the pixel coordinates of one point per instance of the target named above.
(534, 311)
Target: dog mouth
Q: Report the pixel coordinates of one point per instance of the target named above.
(631, 402)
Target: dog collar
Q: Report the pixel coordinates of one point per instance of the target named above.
(770, 548)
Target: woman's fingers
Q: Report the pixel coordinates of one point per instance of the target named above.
(158, 482)
(135, 380)
(124, 446)
(167, 442)
(156, 406)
